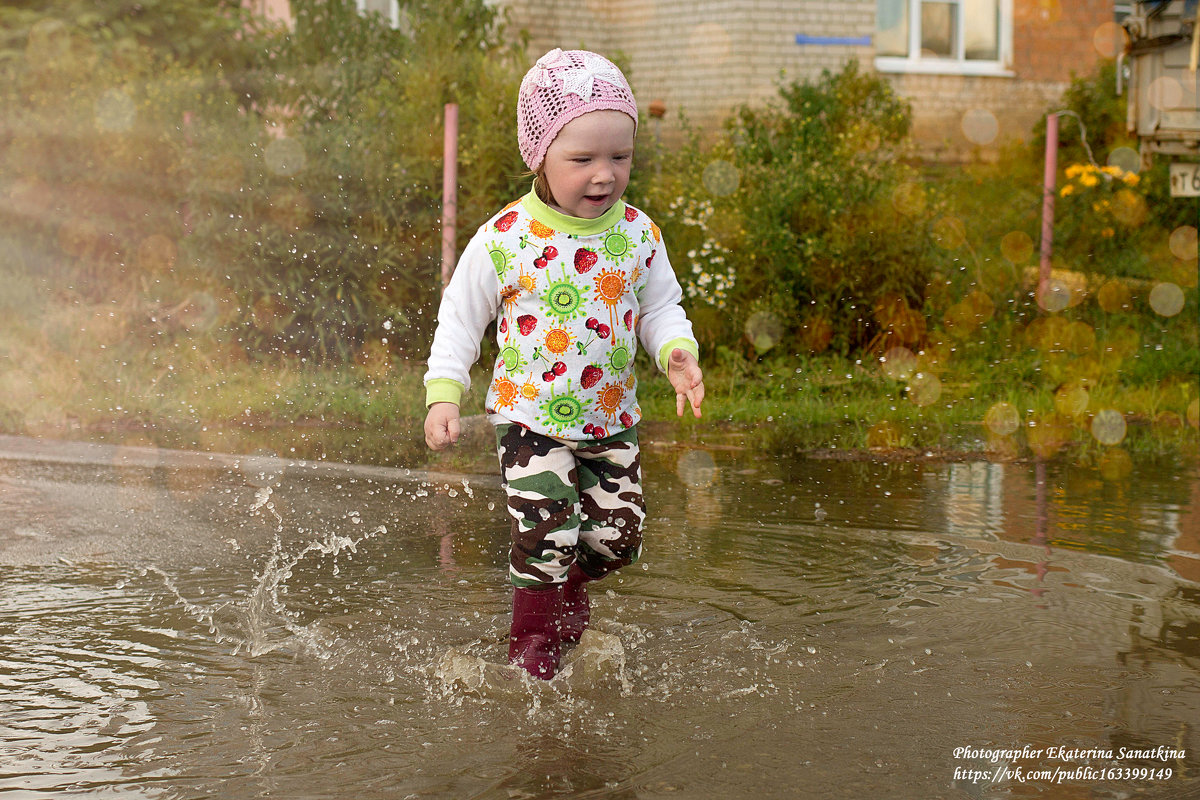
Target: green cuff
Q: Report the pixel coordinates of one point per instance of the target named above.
(443, 390)
(687, 345)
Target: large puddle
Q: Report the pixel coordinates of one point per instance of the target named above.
(177, 626)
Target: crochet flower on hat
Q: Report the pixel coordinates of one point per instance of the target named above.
(578, 79)
(555, 59)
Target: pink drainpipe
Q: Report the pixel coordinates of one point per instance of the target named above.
(449, 190)
(1048, 183)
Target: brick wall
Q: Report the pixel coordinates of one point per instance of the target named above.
(702, 57)
(706, 57)
(1053, 38)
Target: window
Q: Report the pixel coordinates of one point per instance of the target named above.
(389, 9)
(966, 37)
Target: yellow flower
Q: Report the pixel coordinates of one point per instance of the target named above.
(1066, 190)
(1107, 233)
(1089, 179)
(1131, 178)
(1074, 171)
(1113, 170)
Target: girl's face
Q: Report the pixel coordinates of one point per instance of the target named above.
(587, 165)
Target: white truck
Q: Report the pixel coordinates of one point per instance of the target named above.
(1164, 95)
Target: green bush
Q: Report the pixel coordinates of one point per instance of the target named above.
(292, 195)
(804, 221)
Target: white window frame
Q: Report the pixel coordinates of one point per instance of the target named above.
(392, 15)
(960, 65)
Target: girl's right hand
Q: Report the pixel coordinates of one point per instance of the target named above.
(441, 426)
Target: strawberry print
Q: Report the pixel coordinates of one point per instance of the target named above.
(626, 420)
(628, 320)
(591, 376)
(630, 214)
(506, 222)
(527, 322)
(585, 259)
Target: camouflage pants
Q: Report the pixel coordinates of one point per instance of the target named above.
(571, 502)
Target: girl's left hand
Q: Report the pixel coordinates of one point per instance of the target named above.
(687, 379)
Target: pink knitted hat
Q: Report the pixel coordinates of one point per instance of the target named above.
(561, 86)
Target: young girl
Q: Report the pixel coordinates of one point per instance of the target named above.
(573, 277)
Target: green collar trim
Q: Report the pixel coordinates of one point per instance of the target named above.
(576, 226)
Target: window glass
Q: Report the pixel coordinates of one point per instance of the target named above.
(891, 25)
(937, 30)
(981, 35)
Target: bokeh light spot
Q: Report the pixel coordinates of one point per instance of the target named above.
(1165, 93)
(721, 178)
(1002, 419)
(1166, 299)
(285, 156)
(1016, 247)
(1109, 39)
(1047, 435)
(898, 363)
(764, 330)
(1114, 296)
(696, 468)
(1108, 427)
(1071, 400)
(1053, 296)
(1183, 243)
(924, 389)
(909, 199)
(201, 312)
(1079, 337)
(960, 320)
(115, 111)
(899, 320)
(980, 126)
(1129, 208)
(1126, 159)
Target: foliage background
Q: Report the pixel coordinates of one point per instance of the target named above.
(189, 194)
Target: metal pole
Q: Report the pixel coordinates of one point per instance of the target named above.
(1048, 183)
(449, 190)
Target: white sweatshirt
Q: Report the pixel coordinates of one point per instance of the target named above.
(571, 297)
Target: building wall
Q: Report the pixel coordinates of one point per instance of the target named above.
(706, 57)
(702, 57)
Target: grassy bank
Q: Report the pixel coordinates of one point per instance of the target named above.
(130, 372)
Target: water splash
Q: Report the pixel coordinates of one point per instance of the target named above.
(260, 623)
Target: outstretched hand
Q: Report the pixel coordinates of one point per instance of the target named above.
(688, 381)
(441, 426)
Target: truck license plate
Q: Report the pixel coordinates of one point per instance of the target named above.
(1185, 179)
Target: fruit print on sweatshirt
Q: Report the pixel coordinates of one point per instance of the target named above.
(571, 300)
(567, 335)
